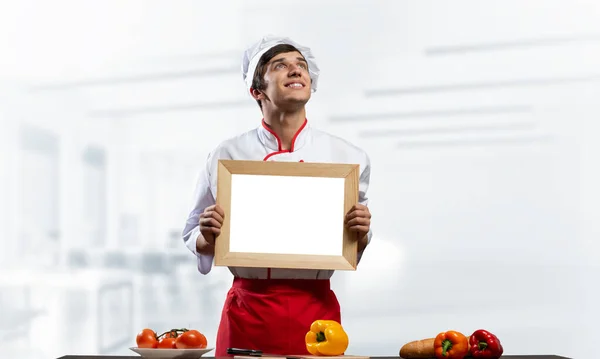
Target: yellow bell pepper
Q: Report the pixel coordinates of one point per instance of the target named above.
(326, 337)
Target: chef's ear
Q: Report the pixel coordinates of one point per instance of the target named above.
(257, 94)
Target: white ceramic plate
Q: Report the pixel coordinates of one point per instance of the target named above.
(171, 353)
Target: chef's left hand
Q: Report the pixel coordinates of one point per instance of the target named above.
(358, 220)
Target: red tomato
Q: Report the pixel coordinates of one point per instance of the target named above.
(191, 339)
(166, 343)
(146, 339)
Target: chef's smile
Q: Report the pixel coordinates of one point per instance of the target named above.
(295, 85)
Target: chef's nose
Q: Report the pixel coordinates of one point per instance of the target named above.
(295, 70)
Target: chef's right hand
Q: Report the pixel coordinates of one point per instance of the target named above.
(211, 221)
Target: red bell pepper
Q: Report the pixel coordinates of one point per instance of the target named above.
(485, 345)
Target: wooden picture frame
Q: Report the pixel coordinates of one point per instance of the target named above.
(286, 215)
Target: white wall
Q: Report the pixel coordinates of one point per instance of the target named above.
(480, 119)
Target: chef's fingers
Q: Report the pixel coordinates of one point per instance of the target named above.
(358, 221)
(212, 214)
(359, 229)
(215, 208)
(357, 213)
(209, 208)
(220, 211)
(217, 216)
(210, 222)
(359, 207)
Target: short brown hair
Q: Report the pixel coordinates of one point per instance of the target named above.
(258, 80)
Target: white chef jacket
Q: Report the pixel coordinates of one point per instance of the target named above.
(261, 143)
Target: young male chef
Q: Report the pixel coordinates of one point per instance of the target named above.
(271, 309)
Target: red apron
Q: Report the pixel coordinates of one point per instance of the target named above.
(274, 315)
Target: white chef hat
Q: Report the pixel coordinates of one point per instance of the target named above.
(253, 54)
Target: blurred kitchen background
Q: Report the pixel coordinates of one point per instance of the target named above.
(481, 119)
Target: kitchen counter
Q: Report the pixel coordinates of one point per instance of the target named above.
(375, 357)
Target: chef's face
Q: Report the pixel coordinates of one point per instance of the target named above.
(287, 80)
